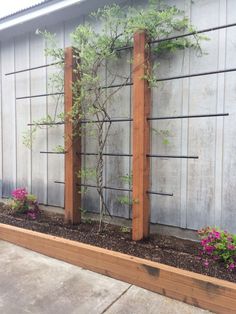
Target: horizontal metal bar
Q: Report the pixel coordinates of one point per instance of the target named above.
(195, 75)
(34, 68)
(53, 123)
(160, 193)
(181, 35)
(59, 153)
(125, 48)
(62, 93)
(117, 85)
(171, 156)
(105, 121)
(112, 86)
(56, 206)
(40, 95)
(206, 30)
(104, 187)
(118, 189)
(130, 119)
(130, 155)
(105, 154)
(189, 116)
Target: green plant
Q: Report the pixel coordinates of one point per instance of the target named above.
(97, 52)
(125, 229)
(218, 246)
(124, 200)
(24, 203)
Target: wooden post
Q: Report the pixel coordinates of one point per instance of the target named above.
(72, 146)
(141, 136)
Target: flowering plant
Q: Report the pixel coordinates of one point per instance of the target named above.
(218, 245)
(24, 203)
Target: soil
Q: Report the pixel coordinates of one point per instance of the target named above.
(159, 248)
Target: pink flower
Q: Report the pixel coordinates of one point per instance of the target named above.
(206, 263)
(209, 248)
(19, 194)
(231, 266)
(32, 215)
(230, 247)
(217, 235)
(205, 241)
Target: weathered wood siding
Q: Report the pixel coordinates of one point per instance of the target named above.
(204, 189)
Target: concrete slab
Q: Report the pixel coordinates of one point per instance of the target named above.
(33, 283)
(36, 284)
(140, 301)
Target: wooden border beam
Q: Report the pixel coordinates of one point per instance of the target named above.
(72, 145)
(205, 292)
(141, 136)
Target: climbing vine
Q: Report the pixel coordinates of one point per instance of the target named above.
(97, 52)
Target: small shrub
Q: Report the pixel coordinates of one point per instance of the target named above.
(218, 246)
(24, 203)
(125, 229)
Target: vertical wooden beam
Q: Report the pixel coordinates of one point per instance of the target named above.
(141, 136)
(72, 145)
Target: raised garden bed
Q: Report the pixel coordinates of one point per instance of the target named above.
(141, 267)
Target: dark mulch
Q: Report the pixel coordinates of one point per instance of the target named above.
(164, 249)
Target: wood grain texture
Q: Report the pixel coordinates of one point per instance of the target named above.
(72, 147)
(141, 137)
(192, 288)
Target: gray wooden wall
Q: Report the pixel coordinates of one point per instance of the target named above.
(204, 189)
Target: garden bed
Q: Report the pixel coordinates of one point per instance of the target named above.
(196, 289)
(167, 250)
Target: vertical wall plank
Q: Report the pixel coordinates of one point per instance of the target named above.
(72, 146)
(38, 111)
(55, 135)
(1, 133)
(8, 119)
(220, 107)
(22, 88)
(141, 136)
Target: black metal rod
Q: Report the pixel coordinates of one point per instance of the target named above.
(63, 153)
(35, 68)
(189, 116)
(125, 48)
(130, 155)
(104, 187)
(111, 120)
(53, 123)
(40, 95)
(87, 185)
(105, 154)
(130, 119)
(182, 35)
(195, 75)
(117, 189)
(171, 156)
(117, 85)
(112, 86)
(194, 33)
(160, 193)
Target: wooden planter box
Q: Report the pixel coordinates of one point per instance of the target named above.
(192, 288)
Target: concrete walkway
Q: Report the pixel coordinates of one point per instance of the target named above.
(35, 284)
